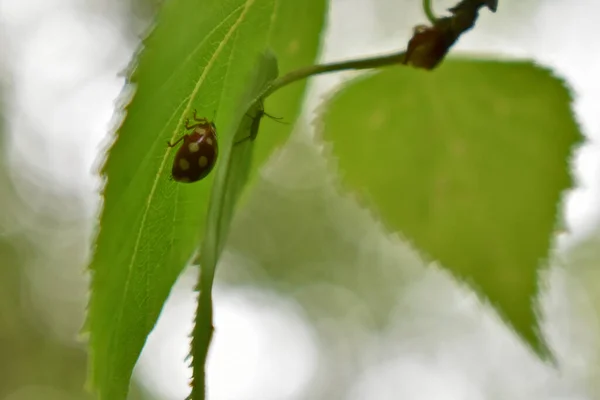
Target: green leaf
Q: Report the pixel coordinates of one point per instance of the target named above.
(469, 163)
(199, 56)
(295, 38)
(229, 182)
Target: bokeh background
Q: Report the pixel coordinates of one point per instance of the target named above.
(314, 300)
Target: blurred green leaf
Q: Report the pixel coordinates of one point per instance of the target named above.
(197, 57)
(581, 282)
(230, 180)
(469, 163)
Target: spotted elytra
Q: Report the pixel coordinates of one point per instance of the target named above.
(198, 154)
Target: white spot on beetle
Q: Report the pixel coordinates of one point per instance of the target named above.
(202, 161)
(193, 147)
(184, 164)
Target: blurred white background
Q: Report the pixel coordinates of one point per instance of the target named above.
(64, 57)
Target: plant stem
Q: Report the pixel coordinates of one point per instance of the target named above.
(303, 73)
(429, 11)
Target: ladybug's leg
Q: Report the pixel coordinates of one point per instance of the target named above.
(187, 124)
(178, 140)
(203, 120)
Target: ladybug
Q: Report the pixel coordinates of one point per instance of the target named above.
(198, 154)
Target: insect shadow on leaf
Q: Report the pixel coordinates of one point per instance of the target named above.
(260, 113)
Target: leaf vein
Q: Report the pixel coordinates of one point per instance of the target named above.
(198, 46)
